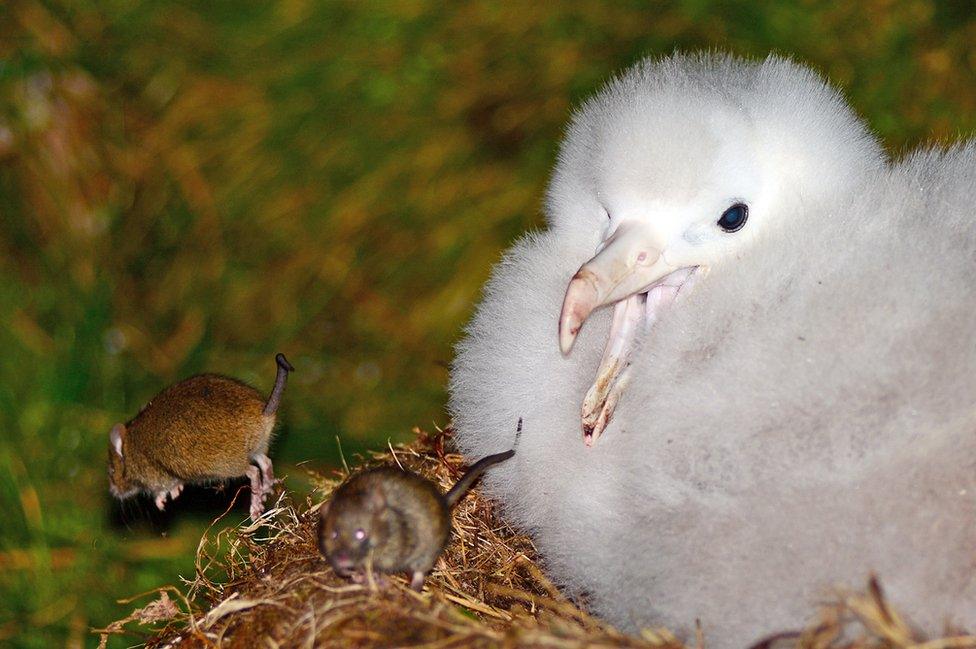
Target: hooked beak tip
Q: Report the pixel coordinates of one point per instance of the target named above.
(581, 297)
(567, 335)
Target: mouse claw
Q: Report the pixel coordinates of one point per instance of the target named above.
(161, 500)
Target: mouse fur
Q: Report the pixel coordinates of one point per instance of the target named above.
(391, 520)
(203, 429)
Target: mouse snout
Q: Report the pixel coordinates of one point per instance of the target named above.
(342, 562)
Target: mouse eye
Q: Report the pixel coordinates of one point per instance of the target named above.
(360, 534)
(335, 534)
(734, 218)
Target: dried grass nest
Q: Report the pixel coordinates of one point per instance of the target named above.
(266, 585)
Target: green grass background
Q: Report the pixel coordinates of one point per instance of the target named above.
(191, 187)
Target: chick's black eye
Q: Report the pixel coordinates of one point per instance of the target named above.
(734, 218)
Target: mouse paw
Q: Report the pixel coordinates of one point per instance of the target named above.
(263, 494)
(417, 581)
(257, 492)
(171, 494)
(268, 480)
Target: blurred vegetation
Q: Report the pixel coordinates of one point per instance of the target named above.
(188, 187)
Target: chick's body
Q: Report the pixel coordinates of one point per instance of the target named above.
(797, 419)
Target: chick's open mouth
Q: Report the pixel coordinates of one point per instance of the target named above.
(632, 316)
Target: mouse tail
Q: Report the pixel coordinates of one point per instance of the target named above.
(458, 491)
(271, 407)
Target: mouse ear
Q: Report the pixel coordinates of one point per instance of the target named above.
(117, 436)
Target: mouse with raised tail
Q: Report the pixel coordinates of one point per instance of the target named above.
(393, 520)
(207, 428)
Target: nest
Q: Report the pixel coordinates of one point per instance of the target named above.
(267, 585)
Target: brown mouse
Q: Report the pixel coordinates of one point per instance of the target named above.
(393, 519)
(203, 429)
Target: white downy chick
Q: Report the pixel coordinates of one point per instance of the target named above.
(800, 416)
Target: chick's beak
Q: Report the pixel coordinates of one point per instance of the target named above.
(628, 262)
(629, 271)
